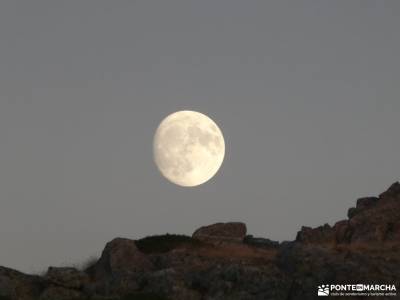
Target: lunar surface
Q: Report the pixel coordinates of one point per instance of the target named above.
(188, 148)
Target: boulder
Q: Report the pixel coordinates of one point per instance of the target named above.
(319, 235)
(119, 268)
(66, 277)
(343, 232)
(340, 233)
(232, 232)
(366, 202)
(362, 205)
(121, 256)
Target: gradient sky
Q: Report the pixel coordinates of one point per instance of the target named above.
(307, 94)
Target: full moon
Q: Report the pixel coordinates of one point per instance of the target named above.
(188, 148)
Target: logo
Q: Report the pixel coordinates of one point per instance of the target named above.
(369, 290)
(323, 290)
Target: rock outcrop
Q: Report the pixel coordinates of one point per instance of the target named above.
(232, 232)
(221, 262)
(69, 278)
(16, 285)
(373, 220)
(260, 242)
(119, 268)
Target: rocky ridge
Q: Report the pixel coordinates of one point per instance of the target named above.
(221, 262)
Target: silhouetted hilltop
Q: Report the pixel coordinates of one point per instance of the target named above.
(221, 261)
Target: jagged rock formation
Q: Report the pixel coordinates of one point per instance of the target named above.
(373, 220)
(220, 262)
